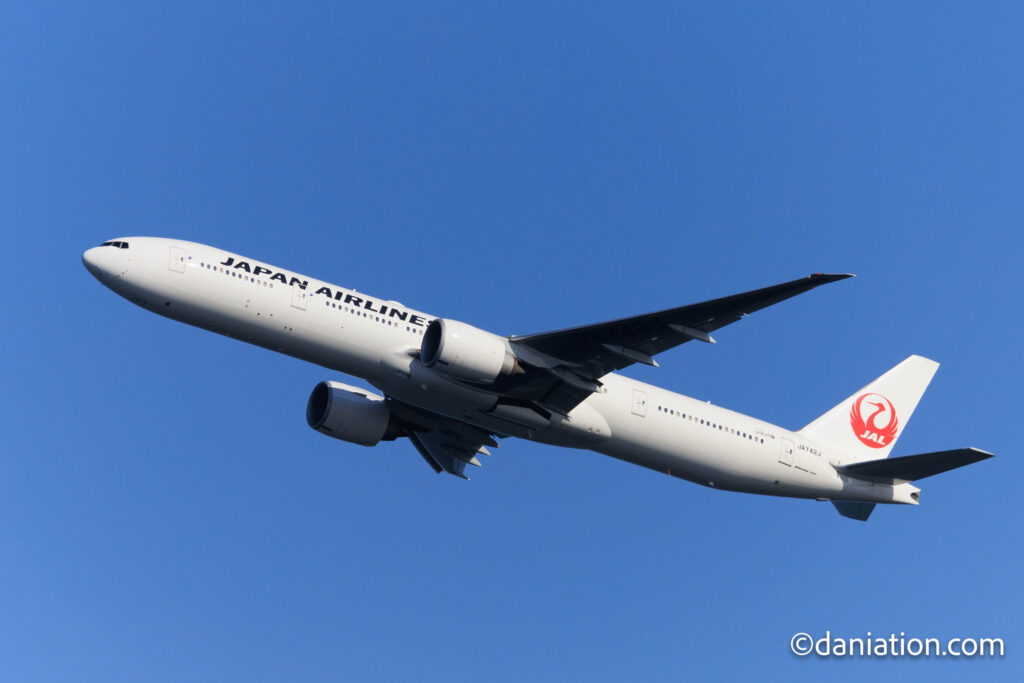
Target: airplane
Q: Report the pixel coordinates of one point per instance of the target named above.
(453, 389)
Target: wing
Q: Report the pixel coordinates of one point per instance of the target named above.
(441, 453)
(562, 368)
(446, 444)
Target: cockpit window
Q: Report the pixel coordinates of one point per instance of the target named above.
(107, 244)
(118, 245)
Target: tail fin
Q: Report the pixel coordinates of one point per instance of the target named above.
(866, 425)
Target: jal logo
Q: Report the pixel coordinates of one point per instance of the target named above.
(874, 421)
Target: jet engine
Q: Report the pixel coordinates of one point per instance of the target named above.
(350, 414)
(466, 352)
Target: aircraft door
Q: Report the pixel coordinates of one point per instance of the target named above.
(639, 402)
(177, 262)
(786, 455)
(299, 297)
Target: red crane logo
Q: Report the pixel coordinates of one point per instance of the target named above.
(878, 409)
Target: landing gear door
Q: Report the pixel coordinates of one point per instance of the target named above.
(639, 402)
(786, 455)
(177, 262)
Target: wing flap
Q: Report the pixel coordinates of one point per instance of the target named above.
(437, 455)
(427, 455)
(446, 444)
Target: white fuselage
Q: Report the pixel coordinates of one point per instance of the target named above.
(376, 340)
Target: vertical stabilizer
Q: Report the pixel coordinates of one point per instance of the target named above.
(866, 425)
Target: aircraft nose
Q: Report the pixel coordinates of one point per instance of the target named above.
(101, 262)
(91, 261)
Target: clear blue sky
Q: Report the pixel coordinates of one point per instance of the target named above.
(165, 512)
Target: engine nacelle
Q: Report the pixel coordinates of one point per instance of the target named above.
(466, 352)
(350, 414)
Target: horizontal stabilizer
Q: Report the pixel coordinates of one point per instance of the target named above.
(854, 510)
(913, 467)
